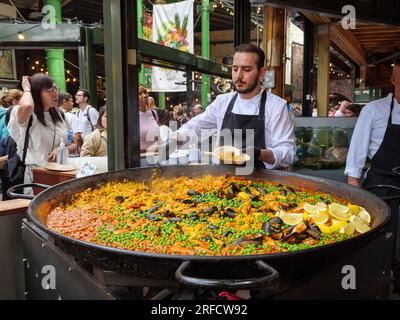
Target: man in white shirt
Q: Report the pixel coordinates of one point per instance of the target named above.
(377, 136)
(250, 108)
(87, 115)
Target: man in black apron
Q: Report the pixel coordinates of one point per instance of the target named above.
(264, 116)
(385, 163)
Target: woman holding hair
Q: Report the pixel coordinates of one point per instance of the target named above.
(95, 144)
(47, 128)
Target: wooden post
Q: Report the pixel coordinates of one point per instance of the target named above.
(323, 53)
(274, 45)
(363, 77)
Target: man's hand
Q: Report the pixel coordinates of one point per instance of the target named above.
(253, 152)
(353, 181)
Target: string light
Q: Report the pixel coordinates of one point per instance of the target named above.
(21, 36)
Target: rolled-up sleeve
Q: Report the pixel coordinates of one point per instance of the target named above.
(208, 120)
(359, 144)
(280, 138)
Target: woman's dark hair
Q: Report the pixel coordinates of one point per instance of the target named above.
(251, 48)
(103, 110)
(355, 108)
(40, 81)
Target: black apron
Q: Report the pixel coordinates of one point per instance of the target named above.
(240, 121)
(385, 169)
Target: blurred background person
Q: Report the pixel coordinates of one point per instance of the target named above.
(341, 112)
(148, 123)
(65, 104)
(95, 144)
(10, 98)
(179, 115)
(198, 109)
(353, 110)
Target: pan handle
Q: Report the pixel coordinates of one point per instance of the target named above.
(263, 281)
(386, 186)
(11, 191)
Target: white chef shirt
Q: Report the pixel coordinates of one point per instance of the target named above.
(84, 125)
(279, 130)
(369, 132)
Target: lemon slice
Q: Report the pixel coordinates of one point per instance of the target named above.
(320, 218)
(309, 208)
(338, 211)
(348, 229)
(338, 224)
(353, 208)
(324, 228)
(321, 205)
(360, 225)
(365, 216)
(291, 218)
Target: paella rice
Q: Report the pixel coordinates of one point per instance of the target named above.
(207, 216)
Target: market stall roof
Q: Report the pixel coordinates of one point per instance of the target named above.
(380, 11)
(366, 44)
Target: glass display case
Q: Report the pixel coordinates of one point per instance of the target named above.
(322, 146)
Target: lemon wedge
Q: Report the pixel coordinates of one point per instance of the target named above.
(338, 224)
(321, 205)
(348, 229)
(338, 211)
(320, 218)
(365, 216)
(360, 225)
(353, 208)
(309, 208)
(291, 219)
(324, 228)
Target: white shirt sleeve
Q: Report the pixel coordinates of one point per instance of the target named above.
(359, 144)
(208, 120)
(280, 138)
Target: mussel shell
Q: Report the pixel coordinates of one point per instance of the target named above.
(212, 227)
(247, 190)
(210, 210)
(283, 192)
(261, 190)
(153, 209)
(206, 238)
(227, 234)
(276, 222)
(267, 228)
(194, 218)
(174, 219)
(151, 217)
(230, 213)
(193, 193)
(120, 199)
(244, 241)
(188, 201)
(169, 214)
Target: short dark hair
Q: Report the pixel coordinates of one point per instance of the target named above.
(251, 48)
(62, 97)
(85, 93)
